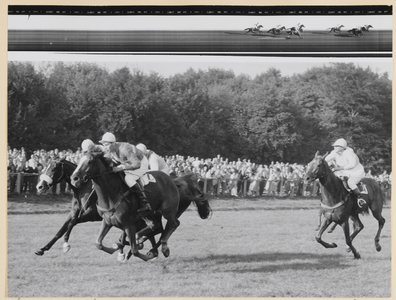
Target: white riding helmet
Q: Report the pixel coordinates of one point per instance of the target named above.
(341, 143)
(142, 148)
(86, 145)
(108, 137)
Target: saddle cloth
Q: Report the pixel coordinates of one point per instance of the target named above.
(131, 176)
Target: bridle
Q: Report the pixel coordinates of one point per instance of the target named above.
(322, 175)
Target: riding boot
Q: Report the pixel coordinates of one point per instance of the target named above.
(144, 204)
(360, 201)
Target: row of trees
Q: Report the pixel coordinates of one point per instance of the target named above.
(204, 113)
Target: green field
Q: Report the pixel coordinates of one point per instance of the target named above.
(261, 247)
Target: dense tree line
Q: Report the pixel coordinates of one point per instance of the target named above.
(204, 113)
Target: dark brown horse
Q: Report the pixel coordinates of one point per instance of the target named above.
(189, 192)
(118, 205)
(338, 204)
(83, 203)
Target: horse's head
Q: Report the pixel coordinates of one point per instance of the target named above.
(316, 168)
(89, 167)
(51, 175)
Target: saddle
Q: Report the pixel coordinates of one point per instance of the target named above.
(361, 186)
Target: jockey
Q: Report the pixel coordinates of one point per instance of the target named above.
(89, 145)
(346, 163)
(156, 162)
(132, 161)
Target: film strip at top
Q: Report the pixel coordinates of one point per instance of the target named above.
(200, 10)
(238, 30)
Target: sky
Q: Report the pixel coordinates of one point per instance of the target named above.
(383, 22)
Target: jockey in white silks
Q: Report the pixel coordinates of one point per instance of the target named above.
(155, 162)
(345, 162)
(131, 161)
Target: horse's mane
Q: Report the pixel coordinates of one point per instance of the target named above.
(68, 162)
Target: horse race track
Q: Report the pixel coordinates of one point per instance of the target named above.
(257, 247)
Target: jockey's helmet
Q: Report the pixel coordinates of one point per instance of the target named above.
(108, 137)
(142, 148)
(86, 144)
(340, 143)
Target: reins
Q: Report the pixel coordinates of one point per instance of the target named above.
(339, 204)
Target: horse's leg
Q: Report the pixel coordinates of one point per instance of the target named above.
(77, 218)
(154, 250)
(104, 230)
(348, 240)
(325, 223)
(131, 231)
(332, 228)
(381, 223)
(171, 225)
(357, 227)
(58, 235)
(319, 220)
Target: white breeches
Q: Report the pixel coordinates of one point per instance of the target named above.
(353, 177)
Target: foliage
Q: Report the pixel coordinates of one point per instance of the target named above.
(204, 113)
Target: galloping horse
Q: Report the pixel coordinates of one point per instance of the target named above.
(336, 29)
(277, 30)
(85, 211)
(296, 30)
(366, 28)
(356, 31)
(338, 204)
(83, 205)
(254, 30)
(189, 192)
(118, 205)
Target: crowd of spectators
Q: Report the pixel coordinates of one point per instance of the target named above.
(217, 176)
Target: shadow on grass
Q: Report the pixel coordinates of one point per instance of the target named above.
(275, 262)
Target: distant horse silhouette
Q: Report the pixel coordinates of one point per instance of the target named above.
(118, 205)
(366, 28)
(336, 29)
(357, 31)
(338, 204)
(254, 30)
(296, 30)
(276, 30)
(84, 201)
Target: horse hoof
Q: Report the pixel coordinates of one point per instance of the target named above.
(39, 252)
(334, 245)
(165, 251)
(378, 248)
(118, 246)
(152, 254)
(66, 247)
(121, 257)
(140, 246)
(348, 249)
(357, 255)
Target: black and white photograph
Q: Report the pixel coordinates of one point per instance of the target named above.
(199, 151)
